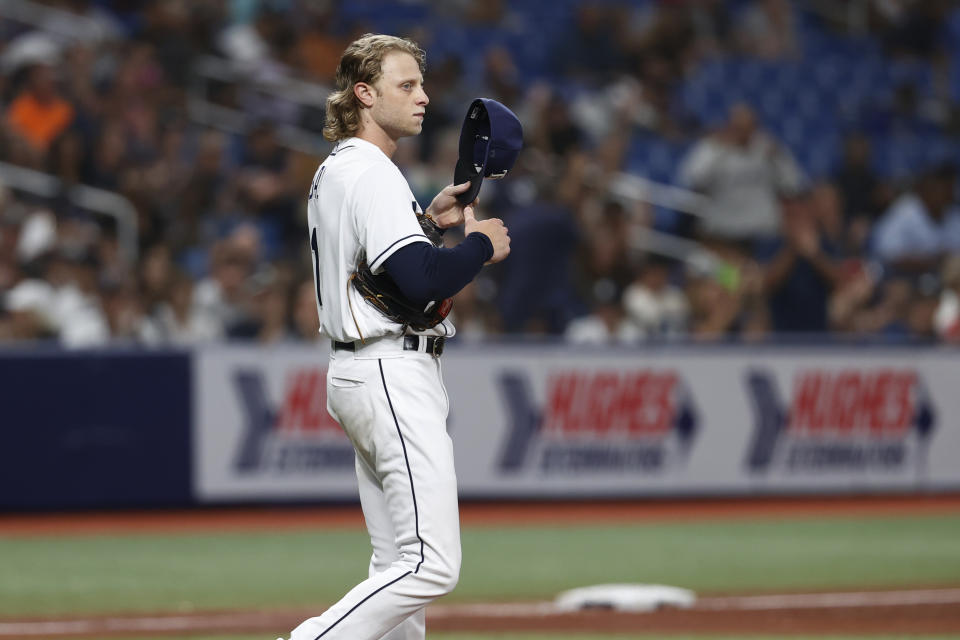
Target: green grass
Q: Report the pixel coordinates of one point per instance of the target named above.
(60, 575)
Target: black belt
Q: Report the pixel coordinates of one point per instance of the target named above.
(432, 345)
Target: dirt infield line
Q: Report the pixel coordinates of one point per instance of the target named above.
(532, 615)
(271, 518)
(830, 600)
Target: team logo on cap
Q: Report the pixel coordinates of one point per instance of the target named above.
(298, 435)
(596, 422)
(840, 420)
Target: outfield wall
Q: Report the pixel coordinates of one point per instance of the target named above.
(237, 424)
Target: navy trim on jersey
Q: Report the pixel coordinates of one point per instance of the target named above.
(412, 235)
(353, 608)
(416, 514)
(339, 149)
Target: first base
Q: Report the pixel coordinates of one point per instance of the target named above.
(625, 597)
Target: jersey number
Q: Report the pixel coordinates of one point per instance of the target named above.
(316, 264)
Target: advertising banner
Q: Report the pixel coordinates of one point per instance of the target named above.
(261, 427)
(554, 421)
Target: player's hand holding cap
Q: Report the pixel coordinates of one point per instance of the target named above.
(490, 141)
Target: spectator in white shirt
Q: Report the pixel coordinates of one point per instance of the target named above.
(655, 306)
(744, 172)
(607, 322)
(921, 226)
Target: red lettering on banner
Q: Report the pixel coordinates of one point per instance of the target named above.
(804, 414)
(880, 402)
(601, 402)
(560, 400)
(610, 402)
(845, 401)
(898, 406)
(305, 403)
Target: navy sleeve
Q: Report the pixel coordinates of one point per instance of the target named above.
(425, 272)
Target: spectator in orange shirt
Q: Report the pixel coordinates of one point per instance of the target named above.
(38, 114)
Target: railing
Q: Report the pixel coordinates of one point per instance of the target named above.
(306, 95)
(63, 24)
(89, 198)
(634, 188)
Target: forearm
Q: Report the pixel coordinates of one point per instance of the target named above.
(779, 269)
(917, 263)
(826, 268)
(425, 273)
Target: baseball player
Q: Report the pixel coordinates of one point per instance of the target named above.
(383, 383)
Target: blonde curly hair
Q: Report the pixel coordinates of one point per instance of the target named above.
(362, 61)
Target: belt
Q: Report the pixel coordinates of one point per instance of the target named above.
(432, 345)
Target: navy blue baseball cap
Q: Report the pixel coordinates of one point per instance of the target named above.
(490, 141)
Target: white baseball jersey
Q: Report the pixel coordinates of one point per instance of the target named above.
(360, 207)
(389, 400)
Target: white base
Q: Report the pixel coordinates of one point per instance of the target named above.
(625, 597)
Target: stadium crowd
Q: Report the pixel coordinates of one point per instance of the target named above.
(841, 251)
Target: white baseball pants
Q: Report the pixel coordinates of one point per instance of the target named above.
(393, 406)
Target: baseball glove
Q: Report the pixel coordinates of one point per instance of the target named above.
(384, 294)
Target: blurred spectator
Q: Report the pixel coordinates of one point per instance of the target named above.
(168, 27)
(669, 40)
(306, 325)
(921, 314)
(270, 311)
(858, 183)
(108, 158)
(826, 210)
(156, 276)
(768, 29)
(77, 306)
(319, 46)
(712, 23)
(222, 298)
(728, 302)
(250, 43)
(269, 190)
(177, 320)
(921, 226)
(556, 132)
(889, 315)
(911, 28)
(206, 188)
(878, 312)
(606, 250)
(654, 305)
(39, 114)
(474, 315)
(501, 75)
(123, 311)
(852, 297)
(801, 272)
(591, 52)
(491, 13)
(903, 114)
(607, 322)
(946, 320)
(744, 172)
(536, 287)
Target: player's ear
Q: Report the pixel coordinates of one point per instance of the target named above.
(364, 93)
